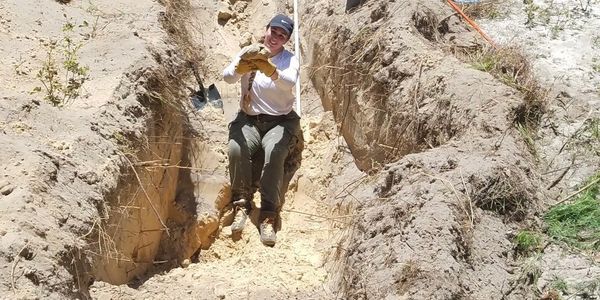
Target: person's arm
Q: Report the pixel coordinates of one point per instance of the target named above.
(229, 74)
(286, 79)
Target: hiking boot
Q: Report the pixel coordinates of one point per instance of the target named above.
(267, 232)
(239, 220)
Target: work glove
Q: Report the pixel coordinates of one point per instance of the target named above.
(245, 66)
(265, 66)
(255, 51)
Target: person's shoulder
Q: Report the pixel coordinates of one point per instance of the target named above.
(287, 53)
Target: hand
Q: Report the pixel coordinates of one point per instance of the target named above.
(265, 66)
(255, 51)
(245, 66)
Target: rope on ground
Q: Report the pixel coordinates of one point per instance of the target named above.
(334, 218)
(472, 23)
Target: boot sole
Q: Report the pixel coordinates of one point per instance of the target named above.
(268, 243)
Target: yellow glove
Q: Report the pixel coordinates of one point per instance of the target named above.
(255, 51)
(265, 66)
(245, 66)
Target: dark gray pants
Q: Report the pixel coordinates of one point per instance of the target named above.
(263, 149)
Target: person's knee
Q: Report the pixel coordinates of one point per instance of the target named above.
(235, 150)
(276, 154)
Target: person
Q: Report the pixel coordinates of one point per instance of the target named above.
(265, 134)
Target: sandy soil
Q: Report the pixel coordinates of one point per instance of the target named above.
(563, 44)
(434, 145)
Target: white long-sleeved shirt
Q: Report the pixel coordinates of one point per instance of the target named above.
(272, 97)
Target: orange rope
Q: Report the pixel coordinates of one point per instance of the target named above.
(471, 22)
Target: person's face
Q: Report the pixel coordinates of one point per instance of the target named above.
(275, 37)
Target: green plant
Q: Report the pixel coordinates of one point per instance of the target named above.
(578, 223)
(559, 284)
(596, 65)
(530, 9)
(556, 29)
(593, 128)
(484, 63)
(527, 242)
(596, 42)
(62, 80)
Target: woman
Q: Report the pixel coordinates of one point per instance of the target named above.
(265, 124)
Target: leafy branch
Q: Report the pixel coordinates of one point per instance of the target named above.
(62, 80)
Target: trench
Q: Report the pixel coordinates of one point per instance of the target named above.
(382, 112)
(164, 210)
(161, 217)
(153, 220)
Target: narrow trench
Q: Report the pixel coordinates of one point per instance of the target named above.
(161, 219)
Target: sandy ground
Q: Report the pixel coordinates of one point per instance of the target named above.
(241, 267)
(563, 43)
(304, 263)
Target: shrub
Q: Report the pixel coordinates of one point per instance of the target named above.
(62, 80)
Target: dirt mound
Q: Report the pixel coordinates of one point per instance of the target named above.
(439, 224)
(78, 192)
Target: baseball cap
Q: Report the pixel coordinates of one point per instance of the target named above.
(283, 22)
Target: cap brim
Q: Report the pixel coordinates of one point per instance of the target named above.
(287, 31)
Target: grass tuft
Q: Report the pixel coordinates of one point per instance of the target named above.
(503, 192)
(512, 67)
(578, 223)
(527, 242)
(559, 285)
(486, 9)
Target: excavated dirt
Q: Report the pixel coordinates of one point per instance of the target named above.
(63, 166)
(437, 226)
(413, 184)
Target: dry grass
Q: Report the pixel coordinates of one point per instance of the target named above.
(503, 192)
(404, 279)
(487, 9)
(176, 21)
(511, 66)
